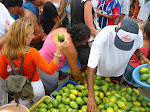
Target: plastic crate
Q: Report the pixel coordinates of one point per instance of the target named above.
(66, 67)
(136, 76)
(40, 101)
(64, 84)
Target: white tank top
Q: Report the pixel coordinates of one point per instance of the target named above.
(57, 5)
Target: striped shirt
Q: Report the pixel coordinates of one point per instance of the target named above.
(112, 7)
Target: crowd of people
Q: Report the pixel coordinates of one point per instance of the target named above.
(111, 36)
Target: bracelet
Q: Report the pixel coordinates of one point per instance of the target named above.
(57, 55)
(140, 56)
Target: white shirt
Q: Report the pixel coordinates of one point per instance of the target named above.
(144, 11)
(110, 60)
(57, 5)
(125, 6)
(4, 16)
(94, 4)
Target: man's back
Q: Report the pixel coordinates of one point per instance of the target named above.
(111, 61)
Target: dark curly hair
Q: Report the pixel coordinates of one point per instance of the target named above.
(12, 3)
(79, 32)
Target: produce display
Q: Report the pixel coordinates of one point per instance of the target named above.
(145, 75)
(109, 97)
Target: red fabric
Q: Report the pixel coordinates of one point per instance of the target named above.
(116, 14)
(136, 10)
(134, 62)
(106, 2)
(31, 60)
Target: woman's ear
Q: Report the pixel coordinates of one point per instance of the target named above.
(144, 35)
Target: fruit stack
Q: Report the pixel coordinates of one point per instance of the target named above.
(141, 75)
(109, 98)
(145, 74)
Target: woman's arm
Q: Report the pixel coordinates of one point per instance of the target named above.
(88, 18)
(63, 16)
(53, 65)
(72, 58)
(61, 8)
(57, 23)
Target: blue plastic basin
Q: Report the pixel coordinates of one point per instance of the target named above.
(66, 67)
(136, 76)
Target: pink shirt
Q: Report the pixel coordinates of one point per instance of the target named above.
(134, 62)
(48, 50)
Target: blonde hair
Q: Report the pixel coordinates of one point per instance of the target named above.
(16, 39)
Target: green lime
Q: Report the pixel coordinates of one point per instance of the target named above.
(47, 101)
(68, 71)
(61, 37)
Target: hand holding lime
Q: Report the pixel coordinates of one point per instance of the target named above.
(61, 37)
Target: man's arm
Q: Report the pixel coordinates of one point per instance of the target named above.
(3, 40)
(121, 17)
(114, 16)
(88, 18)
(91, 104)
(38, 34)
(141, 57)
(57, 24)
(104, 15)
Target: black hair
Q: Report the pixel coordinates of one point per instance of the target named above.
(30, 0)
(79, 32)
(12, 3)
(147, 31)
(147, 28)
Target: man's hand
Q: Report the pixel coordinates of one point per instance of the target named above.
(7, 26)
(141, 57)
(144, 60)
(91, 105)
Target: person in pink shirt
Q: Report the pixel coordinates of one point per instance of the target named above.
(76, 35)
(135, 62)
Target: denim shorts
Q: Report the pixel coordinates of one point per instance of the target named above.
(128, 76)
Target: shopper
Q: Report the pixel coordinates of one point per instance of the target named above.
(77, 35)
(110, 53)
(82, 12)
(19, 37)
(108, 11)
(49, 17)
(15, 7)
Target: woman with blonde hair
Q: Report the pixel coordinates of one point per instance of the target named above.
(16, 47)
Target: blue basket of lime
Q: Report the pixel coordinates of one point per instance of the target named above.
(64, 84)
(136, 74)
(66, 69)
